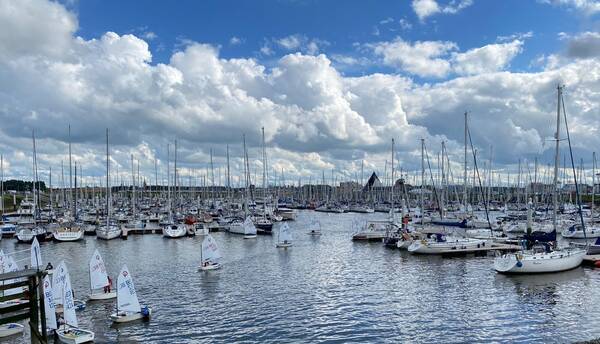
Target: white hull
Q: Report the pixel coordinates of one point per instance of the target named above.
(578, 234)
(103, 233)
(74, 336)
(210, 267)
(10, 329)
(530, 263)
(284, 245)
(446, 247)
(102, 296)
(123, 317)
(250, 236)
(174, 231)
(68, 235)
(237, 228)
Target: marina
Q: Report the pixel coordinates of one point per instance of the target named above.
(325, 288)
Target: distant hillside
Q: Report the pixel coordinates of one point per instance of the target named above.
(21, 185)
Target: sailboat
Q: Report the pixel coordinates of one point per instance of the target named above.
(99, 279)
(173, 229)
(284, 236)
(108, 230)
(314, 228)
(128, 305)
(249, 229)
(210, 255)
(542, 257)
(70, 332)
(34, 229)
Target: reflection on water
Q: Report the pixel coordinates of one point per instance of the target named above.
(328, 288)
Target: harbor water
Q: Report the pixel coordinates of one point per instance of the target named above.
(325, 289)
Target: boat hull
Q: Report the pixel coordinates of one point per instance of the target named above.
(130, 316)
(102, 296)
(210, 267)
(11, 329)
(556, 261)
(74, 336)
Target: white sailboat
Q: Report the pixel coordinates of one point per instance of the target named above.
(314, 228)
(174, 231)
(108, 230)
(70, 332)
(128, 305)
(249, 229)
(541, 257)
(284, 236)
(210, 255)
(99, 279)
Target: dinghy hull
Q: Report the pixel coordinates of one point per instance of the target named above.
(11, 329)
(123, 317)
(74, 336)
(102, 296)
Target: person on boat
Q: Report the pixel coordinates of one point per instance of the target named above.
(108, 286)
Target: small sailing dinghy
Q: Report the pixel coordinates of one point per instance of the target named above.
(128, 305)
(99, 281)
(70, 333)
(315, 228)
(249, 229)
(210, 254)
(284, 236)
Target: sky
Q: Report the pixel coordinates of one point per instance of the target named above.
(331, 82)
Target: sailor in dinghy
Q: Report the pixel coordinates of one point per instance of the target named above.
(284, 236)
(209, 254)
(128, 305)
(100, 283)
(70, 333)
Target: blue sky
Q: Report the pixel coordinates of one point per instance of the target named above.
(340, 24)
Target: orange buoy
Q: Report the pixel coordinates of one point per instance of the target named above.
(597, 263)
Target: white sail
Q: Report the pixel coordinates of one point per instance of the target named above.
(36, 254)
(69, 303)
(58, 282)
(285, 234)
(98, 276)
(210, 250)
(127, 300)
(11, 266)
(49, 305)
(249, 228)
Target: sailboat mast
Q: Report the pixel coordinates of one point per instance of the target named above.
(133, 187)
(556, 162)
(422, 179)
(264, 180)
(465, 166)
(593, 185)
(70, 171)
(393, 182)
(107, 183)
(228, 176)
